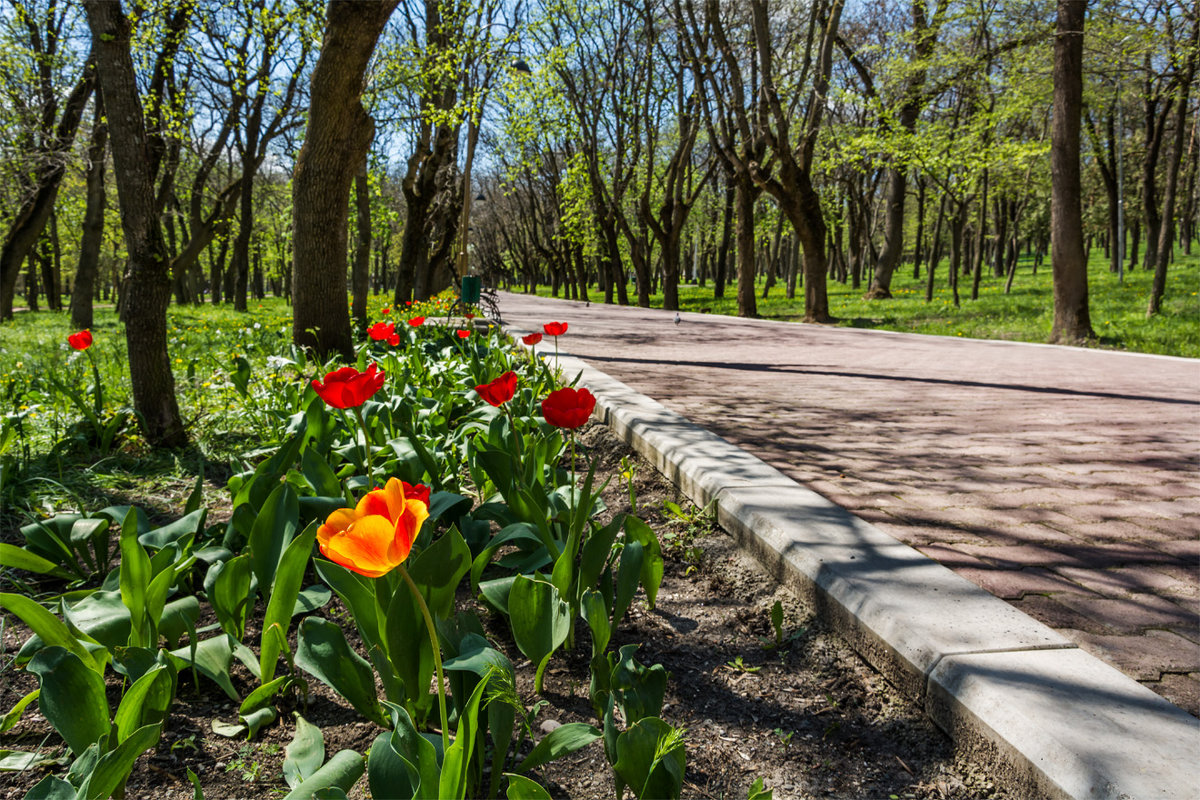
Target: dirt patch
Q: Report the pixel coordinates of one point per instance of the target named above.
(808, 716)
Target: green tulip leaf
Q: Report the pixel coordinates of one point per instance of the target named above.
(522, 788)
(72, 697)
(14, 557)
(305, 754)
(650, 759)
(540, 621)
(288, 577)
(273, 530)
(322, 651)
(561, 741)
(340, 772)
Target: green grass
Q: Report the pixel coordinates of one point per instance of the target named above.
(205, 344)
(1118, 311)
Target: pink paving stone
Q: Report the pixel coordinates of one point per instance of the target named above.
(1114, 530)
(1010, 584)
(1187, 549)
(1022, 555)
(1125, 580)
(1120, 554)
(1058, 616)
(1129, 614)
(1144, 657)
(920, 535)
(952, 557)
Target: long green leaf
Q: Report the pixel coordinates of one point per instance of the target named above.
(14, 557)
(304, 754)
(322, 651)
(561, 741)
(278, 616)
(114, 767)
(50, 628)
(522, 788)
(135, 582)
(274, 527)
(14, 714)
(146, 701)
(540, 621)
(72, 697)
(342, 771)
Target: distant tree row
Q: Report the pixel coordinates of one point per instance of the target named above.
(216, 150)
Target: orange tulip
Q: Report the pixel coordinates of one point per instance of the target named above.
(376, 537)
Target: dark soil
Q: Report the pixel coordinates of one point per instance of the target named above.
(809, 717)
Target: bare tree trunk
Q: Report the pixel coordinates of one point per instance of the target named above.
(147, 286)
(93, 224)
(1166, 233)
(746, 192)
(361, 272)
(339, 134)
(1072, 321)
(34, 212)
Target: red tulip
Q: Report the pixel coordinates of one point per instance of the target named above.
(394, 340)
(462, 334)
(417, 322)
(568, 408)
(555, 328)
(499, 391)
(81, 340)
(381, 330)
(531, 339)
(349, 388)
(387, 311)
(469, 316)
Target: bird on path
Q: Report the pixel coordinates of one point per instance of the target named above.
(678, 319)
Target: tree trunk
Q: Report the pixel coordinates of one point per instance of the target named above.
(1072, 321)
(722, 271)
(361, 271)
(893, 237)
(31, 282)
(34, 211)
(920, 242)
(745, 193)
(147, 285)
(93, 225)
(1166, 233)
(338, 136)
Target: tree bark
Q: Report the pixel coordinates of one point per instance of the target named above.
(745, 192)
(1072, 321)
(1166, 232)
(93, 224)
(361, 271)
(34, 212)
(339, 134)
(147, 289)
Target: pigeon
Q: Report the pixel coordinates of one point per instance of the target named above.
(678, 319)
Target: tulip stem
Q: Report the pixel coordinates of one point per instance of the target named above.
(362, 424)
(437, 656)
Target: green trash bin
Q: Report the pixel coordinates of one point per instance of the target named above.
(471, 286)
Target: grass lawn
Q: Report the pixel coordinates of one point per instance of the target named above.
(1026, 314)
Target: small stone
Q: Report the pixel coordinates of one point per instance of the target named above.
(550, 725)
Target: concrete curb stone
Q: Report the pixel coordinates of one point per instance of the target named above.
(1053, 718)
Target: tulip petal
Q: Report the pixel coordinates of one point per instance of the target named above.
(365, 547)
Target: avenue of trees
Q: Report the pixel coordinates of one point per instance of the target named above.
(215, 151)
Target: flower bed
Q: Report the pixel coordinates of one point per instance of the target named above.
(499, 588)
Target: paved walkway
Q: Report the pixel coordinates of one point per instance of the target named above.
(1065, 481)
